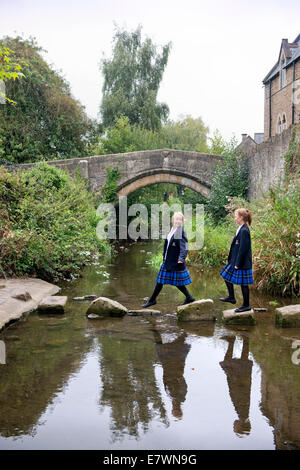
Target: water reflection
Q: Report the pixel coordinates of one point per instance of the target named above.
(172, 355)
(129, 386)
(145, 365)
(238, 372)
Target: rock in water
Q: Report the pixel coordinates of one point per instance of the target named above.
(231, 317)
(105, 306)
(288, 316)
(199, 310)
(53, 304)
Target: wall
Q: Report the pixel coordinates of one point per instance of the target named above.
(265, 160)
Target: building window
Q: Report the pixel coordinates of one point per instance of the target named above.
(279, 125)
(282, 73)
(284, 125)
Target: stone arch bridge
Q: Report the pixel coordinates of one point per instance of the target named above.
(190, 169)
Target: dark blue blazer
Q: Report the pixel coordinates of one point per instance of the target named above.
(240, 253)
(177, 251)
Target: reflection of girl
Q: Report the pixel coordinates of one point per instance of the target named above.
(238, 270)
(173, 269)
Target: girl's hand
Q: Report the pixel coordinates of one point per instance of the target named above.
(236, 267)
(179, 261)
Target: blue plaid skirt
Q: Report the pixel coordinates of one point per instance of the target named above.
(237, 276)
(176, 278)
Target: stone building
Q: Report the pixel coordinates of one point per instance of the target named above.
(282, 90)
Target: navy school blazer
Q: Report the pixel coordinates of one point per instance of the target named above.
(240, 253)
(177, 251)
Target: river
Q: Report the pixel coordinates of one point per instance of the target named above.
(142, 382)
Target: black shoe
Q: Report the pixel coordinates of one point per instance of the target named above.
(242, 309)
(228, 299)
(148, 303)
(188, 300)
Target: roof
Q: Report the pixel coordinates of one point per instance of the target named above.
(292, 53)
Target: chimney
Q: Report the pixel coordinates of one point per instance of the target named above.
(244, 137)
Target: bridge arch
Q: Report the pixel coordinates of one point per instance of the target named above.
(162, 176)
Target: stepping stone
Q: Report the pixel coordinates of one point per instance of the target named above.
(144, 312)
(230, 317)
(105, 306)
(53, 304)
(288, 316)
(199, 310)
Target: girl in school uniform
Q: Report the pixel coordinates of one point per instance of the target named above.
(173, 269)
(238, 270)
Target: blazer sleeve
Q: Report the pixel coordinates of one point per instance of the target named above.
(244, 247)
(183, 245)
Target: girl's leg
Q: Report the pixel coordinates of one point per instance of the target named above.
(245, 292)
(151, 300)
(231, 297)
(189, 297)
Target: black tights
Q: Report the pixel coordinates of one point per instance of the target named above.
(159, 287)
(245, 292)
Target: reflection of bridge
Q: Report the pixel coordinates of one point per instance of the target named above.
(138, 169)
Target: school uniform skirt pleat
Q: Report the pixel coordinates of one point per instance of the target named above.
(175, 278)
(237, 276)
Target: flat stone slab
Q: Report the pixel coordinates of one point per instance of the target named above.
(144, 312)
(104, 306)
(230, 317)
(288, 316)
(53, 304)
(12, 307)
(198, 310)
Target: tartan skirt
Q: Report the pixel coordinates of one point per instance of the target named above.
(175, 278)
(237, 276)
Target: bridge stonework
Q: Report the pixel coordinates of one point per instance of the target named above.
(190, 169)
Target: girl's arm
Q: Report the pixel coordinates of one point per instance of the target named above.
(183, 245)
(244, 247)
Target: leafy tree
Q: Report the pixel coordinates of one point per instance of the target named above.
(118, 139)
(219, 146)
(131, 81)
(10, 68)
(230, 178)
(46, 122)
(185, 134)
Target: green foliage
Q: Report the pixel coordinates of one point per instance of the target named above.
(292, 158)
(230, 178)
(184, 134)
(47, 223)
(10, 69)
(219, 146)
(131, 81)
(275, 238)
(217, 239)
(109, 190)
(118, 139)
(46, 122)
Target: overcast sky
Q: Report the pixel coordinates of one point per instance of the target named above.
(221, 50)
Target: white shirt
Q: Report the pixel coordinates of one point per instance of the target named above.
(169, 238)
(238, 230)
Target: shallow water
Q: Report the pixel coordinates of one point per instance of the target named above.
(145, 382)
